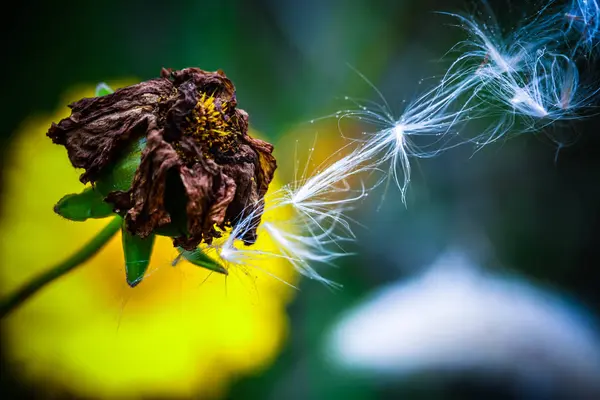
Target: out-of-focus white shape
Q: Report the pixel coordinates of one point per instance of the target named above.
(455, 318)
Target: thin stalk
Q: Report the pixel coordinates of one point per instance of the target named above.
(30, 288)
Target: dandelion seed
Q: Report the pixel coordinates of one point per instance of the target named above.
(299, 240)
(520, 75)
(487, 52)
(523, 101)
(421, 131)
(545, 91)
(549, 88)
(584, 16)
(523, 77)
(303, 249)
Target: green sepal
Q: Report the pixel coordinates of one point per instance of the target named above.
(102, 89)
(197, 257)
(81, 206)
(119, 175)
(137, 253)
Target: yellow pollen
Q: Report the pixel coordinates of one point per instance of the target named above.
(210, 126)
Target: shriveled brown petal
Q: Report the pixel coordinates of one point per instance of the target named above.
(98, 127)
(203, 215)
(179, 111)
(266, 163)
(145, 201)
(213, 83)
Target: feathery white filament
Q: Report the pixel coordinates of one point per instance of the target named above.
(583, 16)
(525, 80)
(429, 125)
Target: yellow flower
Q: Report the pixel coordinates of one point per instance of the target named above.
(183, 331)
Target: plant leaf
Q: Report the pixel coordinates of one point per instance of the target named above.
(137, 253)
(197, 257)
(84, 205)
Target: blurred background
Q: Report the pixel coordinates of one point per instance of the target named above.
(504, 240)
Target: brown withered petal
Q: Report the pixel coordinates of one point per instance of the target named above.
(197, 143)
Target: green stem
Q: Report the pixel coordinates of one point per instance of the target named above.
(85, 253)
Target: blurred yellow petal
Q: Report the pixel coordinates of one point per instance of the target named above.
(315, 146)
(184, 331)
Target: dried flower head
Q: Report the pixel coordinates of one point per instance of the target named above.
(172, 155)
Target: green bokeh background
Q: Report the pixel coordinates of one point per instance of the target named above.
(289, 61)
